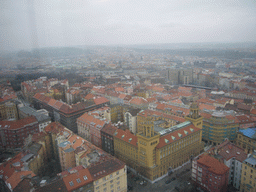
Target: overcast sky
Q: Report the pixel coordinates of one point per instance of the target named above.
(27, 24)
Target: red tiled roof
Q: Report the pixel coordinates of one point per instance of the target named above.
(138, 101)
(120, 89)
(16, 178)
(86, 118)
(89, 96)
(213, 164)
(149, 113)
(100, 100)
(205, 106)
(169, 138)
(109, 129)
(19, 123)
(126, 136)
(78, 179)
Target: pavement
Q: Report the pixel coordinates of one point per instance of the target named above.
(182, 181)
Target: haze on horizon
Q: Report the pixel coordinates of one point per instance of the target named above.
(27, 24)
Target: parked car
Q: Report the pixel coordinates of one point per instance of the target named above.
(168, 181)
(143, 182)
(172, 179)
(136, 178)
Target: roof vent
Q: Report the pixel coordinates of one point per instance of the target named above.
(227, 151)
(238, 153)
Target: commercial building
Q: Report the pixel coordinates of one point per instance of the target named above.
(210, 174)
(13, 133)
(218, 126)
(153, 152)
(246, 139)
(248, 182)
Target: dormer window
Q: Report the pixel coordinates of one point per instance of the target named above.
(71, 183)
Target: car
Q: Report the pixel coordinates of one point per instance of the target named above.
(136, 178)
(172, 179)
(143, 182)
(187, 170)
(188, 183)
(168, 181)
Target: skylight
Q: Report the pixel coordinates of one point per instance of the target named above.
(78, 180)
(122, 136)
(71, 183)
(173, 138)
(166, 140)
(85, 178)
(130, 139)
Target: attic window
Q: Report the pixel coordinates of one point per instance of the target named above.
(85, 178)
(71, 183)
(115, 133)
(180, 135)
(192, 130)
(78, 180)
(185, 132)
(122, 136)
(173, 138)
(166, 140)
(130, 139)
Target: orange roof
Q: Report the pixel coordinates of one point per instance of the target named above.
(138, 101)
(205, 106)
(52, 102)
(89, 96)
(78, 179)
(126, 136)
(176, 135)
(151, 100)
(148, 113)
(19, 123)
(16, 178)
(86, 118)
(76, 141)
(213, 164)
(122, 96)
(100, 100)
(120, 89)
(176, 101)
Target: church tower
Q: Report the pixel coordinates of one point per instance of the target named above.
(194, 116)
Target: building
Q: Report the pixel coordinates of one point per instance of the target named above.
(109, 176)
(210, 174)
(180, 76)
(154, 152)
(14, 133)
(8, 110)
(248, 183)
(67, 155)
(107, 140)
(116, 112)
(89, 127)
(64, 113)
(77, 179)
(246, 139)
(218, 126)
(41, 116)
(232, 156)
(130, 119)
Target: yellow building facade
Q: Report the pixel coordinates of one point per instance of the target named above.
(248, 174)
(246, 140)
(154, 153)
(8, 110)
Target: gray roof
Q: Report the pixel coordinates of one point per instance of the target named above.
(38, 114)
(34, 148)
(27, 157)
(251, 159)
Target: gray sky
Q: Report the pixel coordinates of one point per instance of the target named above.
(27, 24)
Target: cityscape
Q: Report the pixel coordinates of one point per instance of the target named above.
(123, 113)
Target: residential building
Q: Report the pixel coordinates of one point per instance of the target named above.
(210, 174)
(218, 126)
(246, 139)
(107, 140)
(89, 127)
(116, 112)
(248, 182)
(77, 179)
(232, 156)
(109, 176)
(130, 119)
(14, 133)
(41, 116)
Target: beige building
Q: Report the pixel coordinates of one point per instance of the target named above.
(109, 176)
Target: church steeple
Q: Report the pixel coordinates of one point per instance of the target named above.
(194, 116)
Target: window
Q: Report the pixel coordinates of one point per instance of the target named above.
(71, 183)
(97, 182)
(117, 178)
(117, 172)
(118, 188)
(118, 183)
(104, 184)
(85, 178)
(78, 180)
(111, 181)
(104, 179)
(111, 186)
(105, 189)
